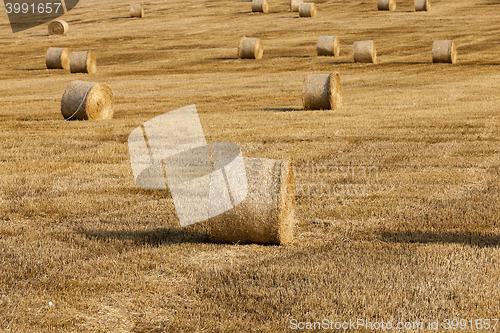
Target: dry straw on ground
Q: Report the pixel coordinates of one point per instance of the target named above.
(266, 215)
(57, 58)
(83, 62)
(58, 27)
(250, 48)
(322, 92)
(422, 5)
(444, 51)
(328, 46)
(261, 6)
(387, 5)
(87, 101)
(137, 10)
(307, 9)
(364, 51)
(295, 5)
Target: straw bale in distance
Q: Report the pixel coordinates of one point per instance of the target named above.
(83, 62)
(58, 27)
(260, 6)
(444, 51)
(250, 48)
(322, 92)
(307, 9)
(87, 100)
(422, 5)
(365, 51)
(387, 5)
(266, 215)
(328, 46)
(57, 58)
(295, 5)
(137, 10)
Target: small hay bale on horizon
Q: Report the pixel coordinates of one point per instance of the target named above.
(387, 5)
(322, 92)
(87, 101)
(295, 5)
(260, 6)
(422, 5)
(57, 58)
(250, 48)
(364, 51)
(444, 51)
(58, 27)
(328, 46)
(307, 9)
(137, 10)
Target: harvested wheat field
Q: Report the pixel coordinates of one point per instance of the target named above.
(397, 192)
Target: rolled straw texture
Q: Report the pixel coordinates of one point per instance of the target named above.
(307, 9)
(322, 92)
(58, 27)
(57, 58)
(365, 51)
(422, 5)
(260, 6)
(83, 62)
(387, 5)
(295, 4)
(250, 48)
(137, 10)
(444, 51)
(87, 100)
(266, 215)
(328, 46)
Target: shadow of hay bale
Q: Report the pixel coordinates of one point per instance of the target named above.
(441, 238)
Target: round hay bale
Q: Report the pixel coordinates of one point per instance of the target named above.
(322, 92)
(250, 48)
(266, 215)
(58, 27)
(328, 46)
(82, 62)
(387, 5)
(295, 5)
(137, 10)
(87, 100)
(422, 5)
(365, 51)
(444, 51)
(261, 6)
(307, 9)
(57, 58)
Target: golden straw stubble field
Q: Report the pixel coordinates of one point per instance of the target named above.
(397, 192)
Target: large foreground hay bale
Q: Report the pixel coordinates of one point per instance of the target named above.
(137, 10)
(82, 62)
(328, 46)
(444, 51)
(87, 100)
(387, 5)
(261, 6)
(57, 58)
(322, 92)
(266, 215)
(364, 51)
(295, 5)
(58, 27)
(307, 9)
(422, 5)
(250, 48)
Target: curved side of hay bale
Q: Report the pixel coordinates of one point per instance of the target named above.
(364, 51)
(57, 58)
(307, 9)
(250, 48)
(83, 62)
(266, 215)
(422, 5)
(444, 51)
(87, 100)
(322, 92)
(137, 10)
(58, 27)
(295, 5)
(387, 5)
(261, 6)
(328, 46)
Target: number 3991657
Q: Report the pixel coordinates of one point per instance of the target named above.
(27, 8)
